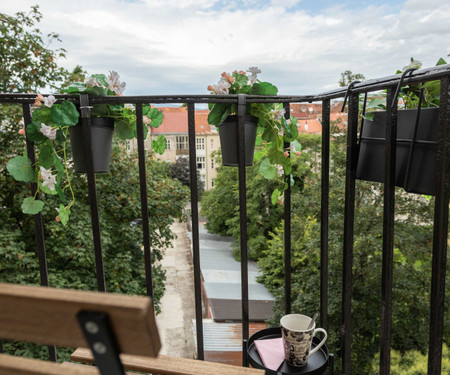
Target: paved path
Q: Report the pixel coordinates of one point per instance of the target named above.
(178, 303)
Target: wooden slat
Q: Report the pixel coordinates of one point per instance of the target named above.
(166, 365)
(79, 365)
(11, 365)
(48, 316)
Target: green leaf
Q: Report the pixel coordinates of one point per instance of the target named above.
(159, 144)
(276, 156)
(268, 170)
(259, 155)
(218, 114)
(46, 158)
(259, 140)
(264, 88)
(101, 78)
(97, 91)
(275, 197)
(441, 61)
(32, 206)
(20, 168)
(100, 110)
(125, 130)
(65, 114)
(75, 88)
(297, 145)
(46, 190)
(64, 213)
(34, 133)
(156, 116)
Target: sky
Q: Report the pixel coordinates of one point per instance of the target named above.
(165, 47)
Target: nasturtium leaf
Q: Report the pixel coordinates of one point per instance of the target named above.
(258, 155)
(60, 137)
(156, 116)
(34, 133)
(264, 88)
(32, 206)
(46, 190)
(45, 156)
(267, 170)
(125, 130)
(64, 213)
(20, 168)
(218, 114)
(259, 140)
(159, 144)
(276, 156)
(269, 134)
(100, 110)
(97, 91)
(275, 197)
(241, 79)
(65, 114)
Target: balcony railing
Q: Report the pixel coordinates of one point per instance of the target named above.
(436, 307)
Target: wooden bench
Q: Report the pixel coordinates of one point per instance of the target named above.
(119, 329)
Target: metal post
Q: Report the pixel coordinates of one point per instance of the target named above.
(440, 234)
(350, 176)
(388, 232)
(144, 201)
(86, 122)
(195, 230)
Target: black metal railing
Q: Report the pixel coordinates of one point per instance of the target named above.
(442, 173)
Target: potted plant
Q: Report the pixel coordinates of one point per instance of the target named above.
(265, 125)
(52, 121)
(416, 137)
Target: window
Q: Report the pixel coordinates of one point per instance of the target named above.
(212, 144)
(201, 162)
(168, 144)
(203, 181)
(200, 143)
(212, 182)
(212, 163)
(182, 142)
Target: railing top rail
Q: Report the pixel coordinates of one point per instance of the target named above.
(416, 76)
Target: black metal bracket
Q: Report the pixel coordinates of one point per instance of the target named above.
(100, 336)
(400, 83)
(349, 88)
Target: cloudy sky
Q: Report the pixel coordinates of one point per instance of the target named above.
(301, 46)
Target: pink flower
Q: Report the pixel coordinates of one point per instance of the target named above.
(48, 179)
(281, 200)
(38, 101)
(114, 84)
(22, 131)
(286, 154)
(228, 78)
(48, 131)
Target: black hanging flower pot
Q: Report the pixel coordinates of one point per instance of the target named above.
(101, 137)
(416, 150)
(228, 132)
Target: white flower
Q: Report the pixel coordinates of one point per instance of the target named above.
(278, 113)
(114, 84)
(280, 170)
(49, 101)
(48, 131)
(254, 71)
(146, 120)
(93, 82)
(129, 106)
(47, 178)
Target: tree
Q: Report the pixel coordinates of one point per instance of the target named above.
(27, 64)
(348, 77)
(181, 171)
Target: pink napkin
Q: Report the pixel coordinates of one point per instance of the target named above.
(271, 352)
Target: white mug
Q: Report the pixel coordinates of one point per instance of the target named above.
(297, 339)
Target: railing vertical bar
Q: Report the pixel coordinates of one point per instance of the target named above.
(195, 230)
(144, 201)
(388, 232)
(440, 234)
(287, 231)
(243, 220)
(95, 222)
(325, 194)
(349, 212)
(38, 222)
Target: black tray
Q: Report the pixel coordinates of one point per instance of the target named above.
(317, 363)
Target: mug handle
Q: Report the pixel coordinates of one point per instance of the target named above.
(321, 343)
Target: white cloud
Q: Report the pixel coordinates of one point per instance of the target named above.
(181, 46)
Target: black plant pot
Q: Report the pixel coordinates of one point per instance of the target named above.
(101, 136)
(228, 132)
(420, 178)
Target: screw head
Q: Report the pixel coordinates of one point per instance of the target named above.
(99, 347)
(91, 327)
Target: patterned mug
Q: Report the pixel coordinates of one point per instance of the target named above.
(297, 339)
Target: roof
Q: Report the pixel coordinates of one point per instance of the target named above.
(176, 122)
(312, 126)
